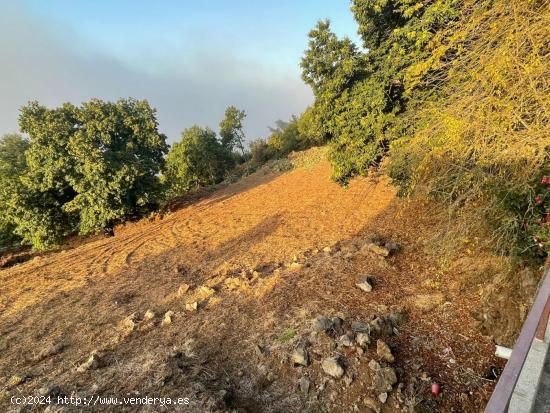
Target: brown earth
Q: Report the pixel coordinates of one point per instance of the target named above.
(241, 242)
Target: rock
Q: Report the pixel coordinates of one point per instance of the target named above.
(296, 266)
(346, 340)
(337, 323)
(348, 380)
(381, 326)
(206, 292)
(327, 249)
(359, 351)
(364, 284)
(192, 306)
(50, 391)
(362, 340)
(375, 249)
(149, 315)
(300, 356)
(183, 288)
(322, 323)
(270, 376)
(360, 327)
(383, 397)
(333, 367)
(384, 351)
(374, 365)
(383, 379)
(91, 364)
(130, 322)
(398, 318)
(392, 247)
(50, 351)
(17, 379)
(371, 404)
(168, 317)
(305, 385)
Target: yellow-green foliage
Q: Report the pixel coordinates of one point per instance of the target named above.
(482, 144)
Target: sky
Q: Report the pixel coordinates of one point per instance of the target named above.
(189, 59)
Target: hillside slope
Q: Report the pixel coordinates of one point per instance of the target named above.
(260, 258)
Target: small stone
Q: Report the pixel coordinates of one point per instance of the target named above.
(337, 323)
(360, 327)
(50, 391)
(371, 404)
(384, 351)
(296, 266)
(374, 365)
(322, 323)
(206, 292)
(50, 351)
(362, 339)
(425, 377)
(383, 397)
(270, 376)
(359, 351)
(305, 385)
(381, 326)
(348, 380)
(149, 315)
(376, 249)
(300, 356)
(364, 284)
(383, 379)
(346, 340)
(183, 288)
(327, 249)
(192, 306)
(333, 367)
(168, 317)
(130, 322)
(91, 364)
(17, 379)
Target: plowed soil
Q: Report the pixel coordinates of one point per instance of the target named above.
(235, 250)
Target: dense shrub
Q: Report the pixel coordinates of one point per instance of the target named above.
(12, 167)
(482, 145)
(88, 167)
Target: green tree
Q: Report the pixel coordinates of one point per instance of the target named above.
(88, 168)
(12, 166)
(231, 129)
(199, 159)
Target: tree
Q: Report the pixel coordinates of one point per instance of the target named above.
(12, 166)
(199, 159)
(231, 129)
(89, 167)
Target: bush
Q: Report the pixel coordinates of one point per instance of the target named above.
(482, 145)
(12, 167)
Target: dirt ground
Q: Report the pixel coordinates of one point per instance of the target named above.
(254, 258)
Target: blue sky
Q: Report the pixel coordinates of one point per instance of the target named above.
(190, 59)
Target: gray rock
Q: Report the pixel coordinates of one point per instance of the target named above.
(360, 327)
(383, 397)
(374, 365)
(384, 351)
(300, 356)
(333, 366)
(346, 340)
(337, 323)
(364, 284)
(362, 340)
(305, 385)
(322, 323)
(383, 379)
(381, 326)
(371, 404)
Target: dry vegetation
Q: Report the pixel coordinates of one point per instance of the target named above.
(252, 255)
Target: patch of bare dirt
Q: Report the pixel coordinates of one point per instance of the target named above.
(209, 301)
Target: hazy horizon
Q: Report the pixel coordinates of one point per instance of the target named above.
(188, 60)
